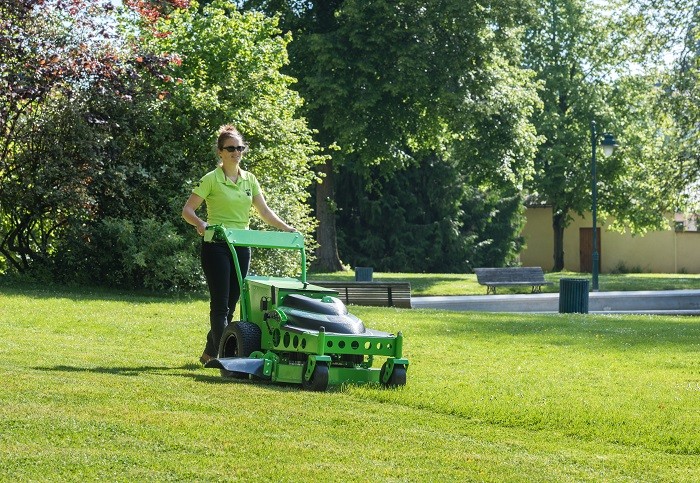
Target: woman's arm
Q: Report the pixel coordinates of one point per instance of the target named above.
(190, 215)
(269, 216)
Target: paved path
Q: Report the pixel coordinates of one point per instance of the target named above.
(676, 302)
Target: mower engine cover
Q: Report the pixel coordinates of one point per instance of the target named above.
(312, 314)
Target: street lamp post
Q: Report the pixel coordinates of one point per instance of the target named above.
(609, 144)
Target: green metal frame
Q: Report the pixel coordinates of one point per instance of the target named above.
(260, 298)
(259, 239)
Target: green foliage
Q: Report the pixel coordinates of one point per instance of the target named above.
(119, 253)
(62, 63)
(683, 100)
(380, 83)
(48, 185)
(229, 72)
(557, 48)
(610, 63)
(642, 182)
(427, 219)
(39, 72)
(112, 152)
(622, 268)
(666, 35)
(494, 219)
(392, 84)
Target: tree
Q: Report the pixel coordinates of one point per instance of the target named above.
(682, 98)
(583, 58)
(224, 68)
(230, 72)
(387, 83)
(666, 41)
(53, 55)
(126, 124)
(439, 222)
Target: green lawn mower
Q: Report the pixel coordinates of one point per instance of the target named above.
(295, 332)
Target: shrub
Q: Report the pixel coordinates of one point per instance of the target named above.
(120, 253)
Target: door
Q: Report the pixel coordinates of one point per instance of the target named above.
(585, 236)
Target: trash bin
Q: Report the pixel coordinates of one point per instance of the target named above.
(573, 295)
(363, 274)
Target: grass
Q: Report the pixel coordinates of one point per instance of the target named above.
(106, 386)
(465, 284)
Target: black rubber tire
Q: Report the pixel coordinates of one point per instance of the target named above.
(319, 378)
(240, 339)
(397, 378)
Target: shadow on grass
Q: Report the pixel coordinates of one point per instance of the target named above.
(193, 373)
(79, 293)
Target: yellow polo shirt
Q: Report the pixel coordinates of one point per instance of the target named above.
(228, 203)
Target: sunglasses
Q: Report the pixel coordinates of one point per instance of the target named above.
(233, 149)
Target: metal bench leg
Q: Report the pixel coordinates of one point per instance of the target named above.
(490, 289)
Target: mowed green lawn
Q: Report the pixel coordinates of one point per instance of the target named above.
(107, 387)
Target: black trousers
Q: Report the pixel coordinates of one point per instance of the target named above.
(224, 290)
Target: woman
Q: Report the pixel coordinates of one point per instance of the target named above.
(229, 193)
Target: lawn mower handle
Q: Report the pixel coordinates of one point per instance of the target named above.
(258, 239)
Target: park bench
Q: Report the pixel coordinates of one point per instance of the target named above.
(511, 276)
(377, 294)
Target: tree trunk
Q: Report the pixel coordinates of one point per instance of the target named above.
(327, 258)
(558, 225)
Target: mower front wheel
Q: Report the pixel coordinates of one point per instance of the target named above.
(397, 377)
(319, 378)
(240, 339)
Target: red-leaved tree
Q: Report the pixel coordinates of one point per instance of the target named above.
(56, 58)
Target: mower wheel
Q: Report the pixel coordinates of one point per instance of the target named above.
(240, 339)
(319, 378)
(397, 378)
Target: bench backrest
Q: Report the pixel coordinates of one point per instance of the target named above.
(510, 274)
(380, 294)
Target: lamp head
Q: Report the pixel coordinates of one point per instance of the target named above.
(609, 144)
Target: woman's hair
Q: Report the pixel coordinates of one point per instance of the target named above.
(228, 131)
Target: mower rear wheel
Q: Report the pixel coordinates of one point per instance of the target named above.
(240, 339)
(318, 380)
(397, 378)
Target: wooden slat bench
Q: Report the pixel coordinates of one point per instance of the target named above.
(511, 276)
(377, 294)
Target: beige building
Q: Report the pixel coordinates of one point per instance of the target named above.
(676, 250)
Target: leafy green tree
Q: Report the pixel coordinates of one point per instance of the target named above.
(388, 83)
(664, 39)
(224, 68)
(438, 222)
(682, 98)
(127, 237)
(556, 48)
(583, 57)
(641, 184)
(229, 72)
